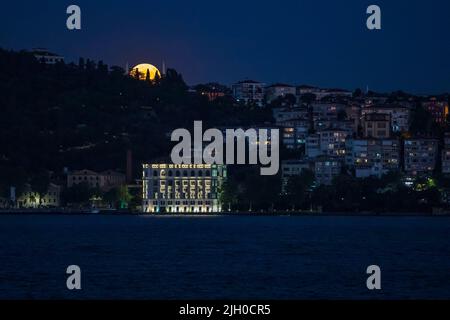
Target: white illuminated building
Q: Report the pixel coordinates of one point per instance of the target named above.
(185, 188)
(45, 56)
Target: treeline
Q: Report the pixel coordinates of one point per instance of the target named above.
(245, 190)
(82, 196)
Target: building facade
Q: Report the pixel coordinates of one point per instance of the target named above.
(45, 56)
(331, 142)
(325, 114)
(326, 168)
(212, 91)
(31, 199)
(399, 115)
(278, 90)
(186, 188)
(373, 157)
(321, 93)
(377, 125)
(420, 155)
(438, 109)
(292, 168)
(445, 156)
(282, 115)
(104, 181)
(294, 133)
(249, 92)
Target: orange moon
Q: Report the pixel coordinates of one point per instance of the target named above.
(142, 69)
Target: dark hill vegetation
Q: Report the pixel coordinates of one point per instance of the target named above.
(87, 115)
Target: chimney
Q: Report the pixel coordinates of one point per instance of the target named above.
(129, 166)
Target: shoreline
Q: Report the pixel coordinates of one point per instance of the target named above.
(66, 212)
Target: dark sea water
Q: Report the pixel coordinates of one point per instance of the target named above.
(131, 257)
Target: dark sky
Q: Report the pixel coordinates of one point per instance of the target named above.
(319, 42)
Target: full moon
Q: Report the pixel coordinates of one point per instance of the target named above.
(142, 69)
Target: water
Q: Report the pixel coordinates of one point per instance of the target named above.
(130, 257)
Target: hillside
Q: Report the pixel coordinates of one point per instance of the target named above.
(87, 115)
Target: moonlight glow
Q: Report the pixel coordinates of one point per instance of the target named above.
(142, 69)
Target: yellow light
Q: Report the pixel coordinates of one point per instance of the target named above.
(142, 69)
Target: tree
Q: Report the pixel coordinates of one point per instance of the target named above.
(124, 196)
(111, 198)
(78, 194)
(357, 93)
(308, 98)
(288, 100)
(157, 78)
(81, 64)
(228, 194)
(422, 121)
(342, 115)
(137, 74)
(39, 183)
(298, 188)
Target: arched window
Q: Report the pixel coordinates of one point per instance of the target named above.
(192, 173)
(200, 173)
(177, 173)
(207, 173)
(155, 173)
(184, 173)
(170, 173)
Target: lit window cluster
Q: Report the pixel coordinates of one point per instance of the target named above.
(182, 188)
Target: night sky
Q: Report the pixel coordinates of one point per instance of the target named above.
(318, 42)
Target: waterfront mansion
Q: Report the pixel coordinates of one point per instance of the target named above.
(182, 188)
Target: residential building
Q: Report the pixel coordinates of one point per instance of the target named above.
(373, 157)
(286, 114)
(326, 168)
(212, 90)
(332, 142)
(399, 115)
(249, 92)
(104, 181)
(377, 125)
(326, 112)
(294, 133)
(321, 93)
(305, 89)
(260, 139)
(31, 199)
(329, 142)
(292, 168)
(420, 155)
(312, 146)
(45, 56)
(438, 108)
(277, 90)
(182, 188)
(375, 100)
(353, 114)
(446, 154)
(345, 125)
